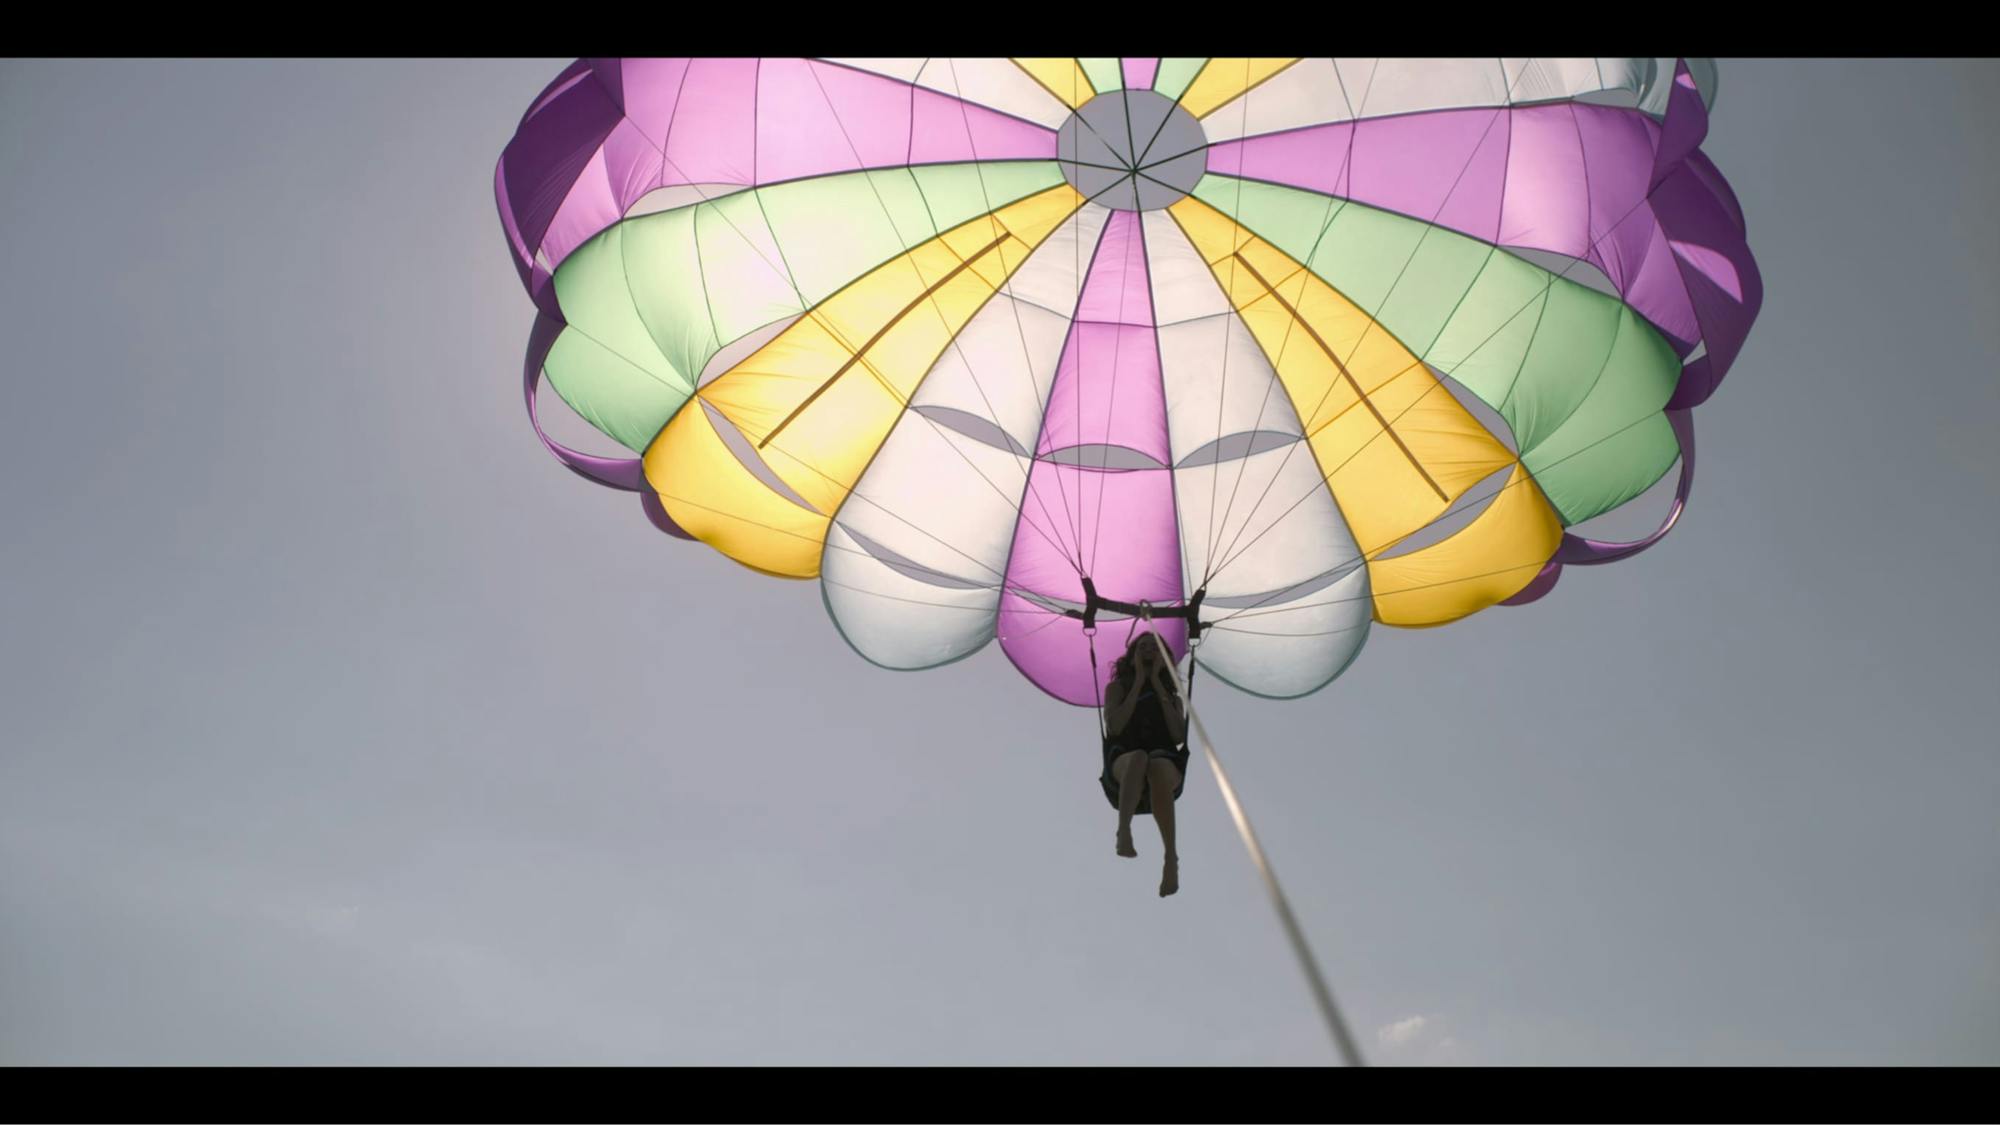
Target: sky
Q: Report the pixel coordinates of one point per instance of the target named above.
(339, 724)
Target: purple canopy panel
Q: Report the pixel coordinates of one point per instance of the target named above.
(1100, 496)
(626, 167)
(1685, 125)
(1139, 72)
(557, 138)
(1602, 184)
(1054, 653)
(606, 133)
(1715, 266)
(1377, 162)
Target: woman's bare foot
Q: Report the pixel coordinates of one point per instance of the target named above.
(1170, 876)
(1125, 847)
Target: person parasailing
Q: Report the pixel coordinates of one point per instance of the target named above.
(1145, 748)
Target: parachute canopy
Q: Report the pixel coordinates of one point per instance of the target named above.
(1006, 347)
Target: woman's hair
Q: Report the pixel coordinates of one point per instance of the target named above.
(1124, 670)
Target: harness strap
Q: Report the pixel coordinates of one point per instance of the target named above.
(1093, 602)
(1097, 684)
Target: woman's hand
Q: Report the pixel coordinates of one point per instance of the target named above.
(1169, 694)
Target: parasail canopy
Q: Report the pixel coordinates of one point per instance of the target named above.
(1274, 348)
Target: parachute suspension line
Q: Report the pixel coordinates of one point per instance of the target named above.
(1336, 1026)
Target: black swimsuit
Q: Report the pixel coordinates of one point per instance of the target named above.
(1149, 729)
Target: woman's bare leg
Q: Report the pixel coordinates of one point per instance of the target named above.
(1163, 778)
(1130, 770)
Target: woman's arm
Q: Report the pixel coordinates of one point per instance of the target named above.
(1170, 696)
(1118, 707)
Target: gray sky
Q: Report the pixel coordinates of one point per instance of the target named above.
(339, 724)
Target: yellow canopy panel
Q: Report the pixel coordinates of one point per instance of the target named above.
(1224, 80)
(1484, 563)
